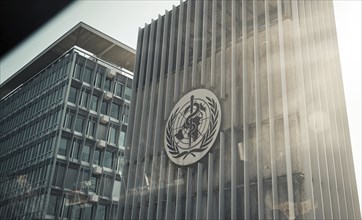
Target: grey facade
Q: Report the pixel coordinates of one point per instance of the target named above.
(62, 131)
(284, 148)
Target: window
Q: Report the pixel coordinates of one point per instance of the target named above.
(84, 99)
(75, 149)
(72, 95)
(97, 157)
(52, 205)
(71, 179)
(84, 183)
(87, 75)
(104, 107)
(125, 114)
(115, 110)
(119, 89)
(94, 103)
(87, 211)
(102, 131)
(112, 135)
(108, 85)
(122, 138)
(101, 70)
(93, 184)
(63, 146)
(108, 159)
(116, 189)
(79, 124)
(101, 212)
(91, 127)
(78, 71)
(68, 120)
(86, 153)
(128, 93)
(59, 175)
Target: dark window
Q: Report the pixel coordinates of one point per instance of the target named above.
(101, 212)
(84, 99)
(87, 75)
(63, 146)
(108, 85)
(68, 120)
(93, 184)
(108, 159)
(115, 110)
(79, 124)
(72, 94)
(75, 149)
(102, 132)
(71, 179)
(119, 89)
(94, 103)
(52, 205)
(97, 157)
(98, 80)
(86, 153)
(128, 93)
(104, 107)
(78, 71)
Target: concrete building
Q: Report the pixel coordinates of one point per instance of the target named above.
(283, 148)
(63, 122)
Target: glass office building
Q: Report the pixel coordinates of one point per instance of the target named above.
(63, 129)
(283, 148)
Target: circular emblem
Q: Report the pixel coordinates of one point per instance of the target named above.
(192, 127)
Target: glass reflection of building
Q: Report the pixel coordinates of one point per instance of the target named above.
(284, 149)
(63, 129)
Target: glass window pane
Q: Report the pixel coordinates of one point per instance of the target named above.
(119, 89)
(128, 93)
(87, 211)
(84, 99)
(93, 184)
(101, 212)
(60, 176)
(78, 70)
(63, 146)
(87, 75)
(94, 103)
(71, 179)
(102, 132)
(72, 94)
(115, 109)
(52, 205)
(107, 85)
(122, 138)
(75, 150)
(97, 157)
(79, 124)
(104, 108)
(108, 156)
(86, 153)
(112, 135)
(90, 128)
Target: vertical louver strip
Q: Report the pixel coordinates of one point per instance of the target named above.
(135, 131)
(245, 113)
(179, 51)
(285, 113)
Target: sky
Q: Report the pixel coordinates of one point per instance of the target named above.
(121, 19)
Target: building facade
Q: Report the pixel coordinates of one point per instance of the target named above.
(282, 150)
(63, 129)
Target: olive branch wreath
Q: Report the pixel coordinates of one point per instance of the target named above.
(207, 138)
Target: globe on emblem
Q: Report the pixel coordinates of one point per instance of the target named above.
(192, 127)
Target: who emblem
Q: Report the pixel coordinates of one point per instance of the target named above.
(192, 127)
